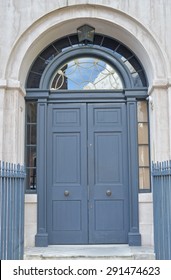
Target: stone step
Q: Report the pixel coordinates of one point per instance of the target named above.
(62, 252)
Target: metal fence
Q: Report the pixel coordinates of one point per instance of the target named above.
(162, 209)
(11, 211)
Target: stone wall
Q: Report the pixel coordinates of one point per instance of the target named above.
(146, 219)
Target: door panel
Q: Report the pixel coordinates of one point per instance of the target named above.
(107, 156)
(67, 174)
(107, 173)
(111, 223)
(87, 174)
(66, 146)
(66, 215)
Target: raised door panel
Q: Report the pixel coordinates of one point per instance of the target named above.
(66, 158)
(107, 151)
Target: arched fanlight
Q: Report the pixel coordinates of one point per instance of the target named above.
(86, 35)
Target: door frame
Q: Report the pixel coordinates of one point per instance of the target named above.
(134, 237)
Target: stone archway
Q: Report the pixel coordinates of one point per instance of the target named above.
(124, 28)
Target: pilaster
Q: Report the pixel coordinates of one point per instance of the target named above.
(41, 238)
(134, 237)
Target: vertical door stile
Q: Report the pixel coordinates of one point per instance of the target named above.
(87, 152)
(90, 164)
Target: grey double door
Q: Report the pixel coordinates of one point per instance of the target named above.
(87, 191)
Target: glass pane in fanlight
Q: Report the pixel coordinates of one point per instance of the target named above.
(86, 74)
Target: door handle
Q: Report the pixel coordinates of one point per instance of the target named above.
(66, 193)
(108, 193)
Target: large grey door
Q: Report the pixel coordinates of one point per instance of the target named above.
(87, 192)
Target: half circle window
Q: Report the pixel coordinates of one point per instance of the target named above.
(63, 77)
(86, 73)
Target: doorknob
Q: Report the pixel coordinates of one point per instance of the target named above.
(66, 193)
(108, 193)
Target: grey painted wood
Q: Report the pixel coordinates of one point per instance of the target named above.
(134, 237)
(41, 238)
(108, 178)
(71, 131)
(80, 207)
(91, 96)
(67, 174)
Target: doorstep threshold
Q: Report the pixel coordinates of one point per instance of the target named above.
(120, 251)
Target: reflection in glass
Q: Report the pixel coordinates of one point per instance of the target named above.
(31, 134)
(86, 74)
(143, 146)
(31, 178)
(143, 133)
(142, 111)
(104, 42)
(144, 178)
(31, 156)
(134, 73)
(31, 112)
(31, 127)
(143, 155)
